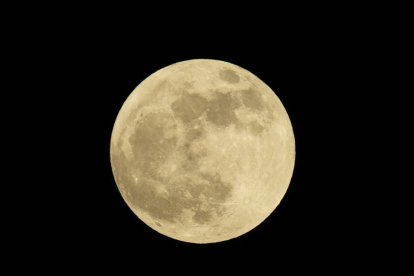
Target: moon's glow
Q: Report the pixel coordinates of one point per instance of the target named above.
(202, 151)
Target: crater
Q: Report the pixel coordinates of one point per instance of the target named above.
(145, 196)
(191, 154)
(229, 76)
(212, 192)
(161, 86)
(195, 190)
(204, 196)
(256, 128)
(215, 188)
(194, 133)
(150, 146)
(202, 216)
(252, 99)
(189, 107)
(221, 110)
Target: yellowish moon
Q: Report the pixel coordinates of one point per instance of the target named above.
(202, 151)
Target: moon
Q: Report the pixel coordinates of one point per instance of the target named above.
(202, 151)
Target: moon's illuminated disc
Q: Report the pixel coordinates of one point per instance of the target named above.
(202, 151)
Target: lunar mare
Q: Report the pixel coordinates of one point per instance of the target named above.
(202, 151)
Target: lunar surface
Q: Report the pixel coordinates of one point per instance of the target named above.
(202, 151)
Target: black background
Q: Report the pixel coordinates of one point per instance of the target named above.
(88, 68)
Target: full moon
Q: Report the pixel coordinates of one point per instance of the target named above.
(202, 151)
